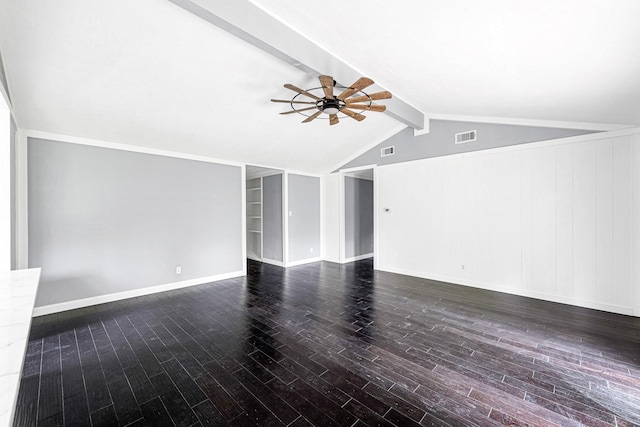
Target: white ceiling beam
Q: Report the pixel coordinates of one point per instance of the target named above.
(248, 22)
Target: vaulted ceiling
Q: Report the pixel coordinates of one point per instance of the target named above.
(196, 76)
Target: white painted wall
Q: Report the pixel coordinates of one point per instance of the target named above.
(5, 186)
(557, 220)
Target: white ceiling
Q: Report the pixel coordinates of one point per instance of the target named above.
(153, 74)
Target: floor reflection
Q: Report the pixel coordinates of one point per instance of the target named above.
(359, 298)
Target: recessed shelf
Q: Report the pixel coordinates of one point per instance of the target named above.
(253, 217)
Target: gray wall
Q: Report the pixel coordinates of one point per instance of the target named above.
(103, 221)
(13, 223)
(440, 141)
(358, 220)
(304, 222)
(272, 247)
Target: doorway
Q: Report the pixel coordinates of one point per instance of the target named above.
(358, 214)
(264, 215)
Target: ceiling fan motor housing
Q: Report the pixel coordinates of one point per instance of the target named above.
(331, 105)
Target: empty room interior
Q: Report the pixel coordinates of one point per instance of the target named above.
(286, 213)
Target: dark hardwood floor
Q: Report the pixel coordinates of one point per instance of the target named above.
(330, 345)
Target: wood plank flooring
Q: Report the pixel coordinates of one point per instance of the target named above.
(330, 345)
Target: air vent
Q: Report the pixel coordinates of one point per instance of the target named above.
(464, 137)
(387, 151)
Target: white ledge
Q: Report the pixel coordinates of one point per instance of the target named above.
(17, 297)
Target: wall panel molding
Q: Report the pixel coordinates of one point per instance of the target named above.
(556, 220)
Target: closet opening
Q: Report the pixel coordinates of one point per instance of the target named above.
(264, 215)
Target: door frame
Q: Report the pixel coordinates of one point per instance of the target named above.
(344, 173)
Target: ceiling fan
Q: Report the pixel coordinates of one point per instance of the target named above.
(351, 98)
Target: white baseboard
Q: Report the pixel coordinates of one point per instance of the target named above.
(303, 261)
(595, 305)
(101, 299)
(358, 258)
(273, 262)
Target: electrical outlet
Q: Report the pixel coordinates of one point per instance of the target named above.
(311, 250)
(178, 270)
(462, 267)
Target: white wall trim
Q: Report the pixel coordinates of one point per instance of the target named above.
(342, 219)
(358, 168)
(22, 199)
(303, 173)
(530, 122)
(265, 174)
(243, 201)
(635, 274)
(273, 262)
(358, 258)
(261, 217)
(376, 217)
(285, 219)
(125, 147)
(321, 250)
(304, 261)
(86, 302)
(626, 310)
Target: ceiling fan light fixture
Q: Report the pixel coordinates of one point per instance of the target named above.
(331, 106)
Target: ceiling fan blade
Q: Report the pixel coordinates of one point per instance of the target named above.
(353, 114)
(308, 119)
(378, 108)
(302, 109)
(288, 101)
(333, 119)
(371, 96)
(360, 84)
(327, 86)
(302, 91)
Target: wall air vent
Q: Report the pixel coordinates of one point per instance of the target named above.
(464, 137)
(387, 151)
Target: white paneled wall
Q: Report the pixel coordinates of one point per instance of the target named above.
(556, 220)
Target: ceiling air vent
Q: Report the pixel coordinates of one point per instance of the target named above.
(464, 137)
(387, 151)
